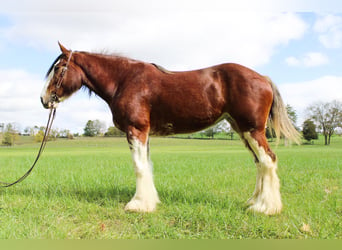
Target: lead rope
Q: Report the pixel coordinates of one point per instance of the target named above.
(41, 149)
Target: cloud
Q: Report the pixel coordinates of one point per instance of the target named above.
(74, 112)
(311, 59)
(150, 6)
(302, 94)
(179, 35)
(20, 103)
(329, 28)
(17, 84)
(19, 97)
(178, 39)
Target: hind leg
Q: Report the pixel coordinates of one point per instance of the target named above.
(266, 197)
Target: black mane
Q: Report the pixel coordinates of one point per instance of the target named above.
(53, 64)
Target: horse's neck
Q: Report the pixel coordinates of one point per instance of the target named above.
(103, 74)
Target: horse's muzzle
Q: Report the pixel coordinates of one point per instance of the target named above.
(52, 103)
(45, 104)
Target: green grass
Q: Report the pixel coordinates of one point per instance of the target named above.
(80, 187)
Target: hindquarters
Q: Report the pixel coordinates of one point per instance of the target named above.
(249, 97)
(252, 100)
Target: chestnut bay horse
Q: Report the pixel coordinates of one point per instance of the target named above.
(147, 99)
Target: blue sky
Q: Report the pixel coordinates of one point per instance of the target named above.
(300, 51)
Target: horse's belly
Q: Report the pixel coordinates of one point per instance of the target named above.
(182, 126)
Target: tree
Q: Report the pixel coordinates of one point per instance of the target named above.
(209, 132)
(270, 133)
(100, 127)
(309, 130)
(328, 117)
(292, 114)
(94, 128)
(10, 135)
(39, 136)
(54, 134)
(221, 127)
(89, 129)
(114, 131)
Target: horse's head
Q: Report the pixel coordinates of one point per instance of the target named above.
(63, 79)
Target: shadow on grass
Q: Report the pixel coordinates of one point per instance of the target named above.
(104, 195)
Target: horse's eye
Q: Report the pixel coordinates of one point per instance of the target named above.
(56, 68)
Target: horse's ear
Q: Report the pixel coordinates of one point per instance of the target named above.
(63, 49)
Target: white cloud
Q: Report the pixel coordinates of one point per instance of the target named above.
(74, 112)
(155, 5)
(302, 94)
(148, 5)
(20, 103)
(311, 59)
(19, 97)
(179, 35)
(181, 39)
(329, 28)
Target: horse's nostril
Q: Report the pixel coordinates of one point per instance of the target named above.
(45, 105)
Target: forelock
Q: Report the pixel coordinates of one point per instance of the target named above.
(53, 65)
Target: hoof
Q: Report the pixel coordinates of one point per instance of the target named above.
(140, 206)
(258, 206)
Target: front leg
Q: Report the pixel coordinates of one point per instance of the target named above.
(146, 197)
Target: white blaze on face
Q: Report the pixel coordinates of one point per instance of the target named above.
(44, 95)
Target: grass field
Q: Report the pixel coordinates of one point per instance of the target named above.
(80, 187)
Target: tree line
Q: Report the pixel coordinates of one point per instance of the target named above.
(324, 118)
(9, 133)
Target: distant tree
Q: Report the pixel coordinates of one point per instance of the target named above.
(328, 117)
(309, 130)
(230, 133)
(210, 132)
(27, 131)
(291, 112)
(54, 134)
(114, 131)
(39, 136)
(10, 135)
(94, 128)
(222, 127)
(89, 129)
(270, 133)
(2, 127)
(65, 133)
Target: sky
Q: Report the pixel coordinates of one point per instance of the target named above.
(296, 43)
